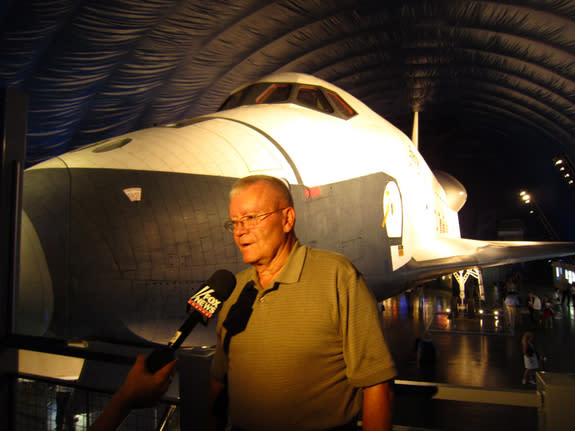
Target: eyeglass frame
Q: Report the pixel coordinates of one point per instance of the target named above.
(248, 221)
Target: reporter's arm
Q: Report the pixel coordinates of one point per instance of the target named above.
(140, 389)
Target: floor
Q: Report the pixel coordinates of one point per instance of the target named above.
(478, 352)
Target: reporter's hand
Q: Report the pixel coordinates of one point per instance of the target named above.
(144, 389)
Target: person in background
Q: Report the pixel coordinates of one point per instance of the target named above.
(556, 297)
(534, 305)
(547, 312)
(530, 357)
(565, 292)
(455, 300)
(512, 304)
(426, 356)
(510, 286)
(300, 341)
(140, 389)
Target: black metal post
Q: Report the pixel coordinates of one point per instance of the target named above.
(13, 115)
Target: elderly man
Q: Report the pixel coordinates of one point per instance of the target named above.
(300, 340)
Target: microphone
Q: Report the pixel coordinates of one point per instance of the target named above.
(202, 306)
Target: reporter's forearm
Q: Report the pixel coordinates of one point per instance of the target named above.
(113, 415)
(140, 389)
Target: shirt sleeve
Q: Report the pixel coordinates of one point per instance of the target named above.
(367, 357)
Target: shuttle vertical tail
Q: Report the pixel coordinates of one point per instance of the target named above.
(415, 130)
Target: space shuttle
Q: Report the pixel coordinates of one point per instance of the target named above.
(117, 235)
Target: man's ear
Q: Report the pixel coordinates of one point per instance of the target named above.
(289, 219)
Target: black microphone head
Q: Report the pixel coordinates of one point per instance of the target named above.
(216, 290)
(223, 282)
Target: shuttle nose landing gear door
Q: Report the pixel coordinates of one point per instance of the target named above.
(393, 221)
(392, 213)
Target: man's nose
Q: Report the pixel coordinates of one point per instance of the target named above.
(239, 228)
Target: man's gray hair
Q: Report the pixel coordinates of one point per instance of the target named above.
(277, 184)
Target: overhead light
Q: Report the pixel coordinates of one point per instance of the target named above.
(558, 162)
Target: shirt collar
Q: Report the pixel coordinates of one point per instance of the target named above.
(293, 268)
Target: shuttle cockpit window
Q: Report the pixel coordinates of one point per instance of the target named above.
(257, 94)
(313, 98)
(275, 93)
(233, 100)
(309, 96)
(343, 108)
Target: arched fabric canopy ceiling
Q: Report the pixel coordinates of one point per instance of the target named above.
(492, 80)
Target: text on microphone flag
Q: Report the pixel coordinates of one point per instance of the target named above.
(204, 302)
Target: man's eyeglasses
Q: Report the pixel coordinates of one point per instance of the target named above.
(248, 221)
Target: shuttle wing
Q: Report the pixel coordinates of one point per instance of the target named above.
(459, 253)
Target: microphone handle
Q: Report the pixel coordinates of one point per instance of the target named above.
(165, 354)
(158, 358)
(184, 330)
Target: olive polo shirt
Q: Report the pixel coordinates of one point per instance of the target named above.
(312, 342)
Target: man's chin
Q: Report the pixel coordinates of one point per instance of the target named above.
(248, 259)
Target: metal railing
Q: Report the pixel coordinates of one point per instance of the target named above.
(50, 405)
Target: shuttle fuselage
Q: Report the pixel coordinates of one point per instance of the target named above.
(129, 227)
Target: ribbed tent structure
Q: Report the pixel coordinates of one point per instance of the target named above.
(494, 81)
